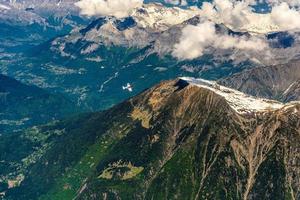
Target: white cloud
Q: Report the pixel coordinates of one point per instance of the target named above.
(285, 17)
(193, 41)
(196, 39)
(239, 15)
(117, 8)
(233, 13)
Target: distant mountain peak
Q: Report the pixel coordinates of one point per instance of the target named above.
(158, 17)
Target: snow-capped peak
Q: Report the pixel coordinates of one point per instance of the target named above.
(239, 101)
(158, 17)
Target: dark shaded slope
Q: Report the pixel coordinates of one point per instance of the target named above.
(23, 105)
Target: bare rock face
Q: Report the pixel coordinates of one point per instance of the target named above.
(292, 93)
(182, 139)
(280, 82)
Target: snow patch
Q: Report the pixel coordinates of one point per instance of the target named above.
(240, 102)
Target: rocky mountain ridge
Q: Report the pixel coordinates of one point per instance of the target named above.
(181, 139)
(280, 82)
(161, 27)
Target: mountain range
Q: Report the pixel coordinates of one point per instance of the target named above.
(92, 63)
(101, 55)
(148, 106)
(25, 24)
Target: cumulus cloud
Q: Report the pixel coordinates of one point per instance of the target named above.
(196, 39)
(193, 41)
(240, 16)
(117, 8)
(285, 17)
(230, 12)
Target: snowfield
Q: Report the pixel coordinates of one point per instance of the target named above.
(239, 101)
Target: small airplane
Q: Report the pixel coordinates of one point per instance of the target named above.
(128, 87)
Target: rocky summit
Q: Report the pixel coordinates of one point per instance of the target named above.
(181, 139)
